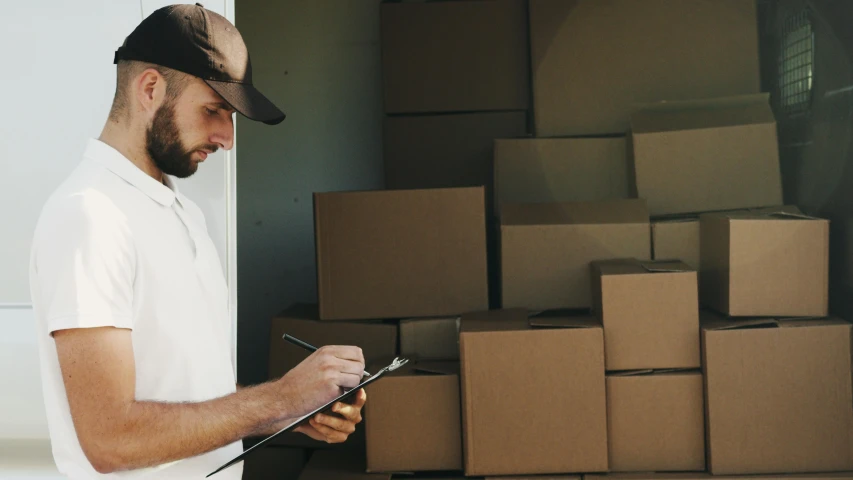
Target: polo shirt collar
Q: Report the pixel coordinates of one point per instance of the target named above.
(117, 163)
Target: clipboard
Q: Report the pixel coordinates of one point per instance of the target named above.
(394, 365)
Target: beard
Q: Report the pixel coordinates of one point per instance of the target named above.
(163, 142)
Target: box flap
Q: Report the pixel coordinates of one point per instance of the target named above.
(715, 321)
(812, 322)
(665, 266)
(437, 367)
(697, 114)
(575, 213)
(788, 212)
(564, 319)
(494, 320)
(651, 371)
(630, 266)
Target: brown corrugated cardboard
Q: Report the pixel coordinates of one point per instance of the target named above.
(778, 395)
(707, 476)
(454, 56)
(377, 341)
(546, 248)
(273, 463)
(533, 398)
(677, 239)
(430, 338)
(333, 465)
(440, 151)
(404, 253)
(529, 170)
(701, 156)
(765, 264)
(593, 61)
(655, 421)
(535, 477)
(413, 420)
(650, 313)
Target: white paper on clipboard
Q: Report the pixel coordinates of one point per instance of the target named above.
(394, 365)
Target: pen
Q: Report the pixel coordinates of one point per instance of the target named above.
(307, 346)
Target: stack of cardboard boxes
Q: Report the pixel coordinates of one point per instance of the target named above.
(650, 188)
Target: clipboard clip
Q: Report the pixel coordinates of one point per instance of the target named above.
(397, 363)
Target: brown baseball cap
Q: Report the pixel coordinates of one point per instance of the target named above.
(194, 40)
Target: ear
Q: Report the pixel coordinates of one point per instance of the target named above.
(150, 90)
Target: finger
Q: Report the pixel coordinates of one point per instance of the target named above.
(349, 412)
(351, 367)
(360, 398)
(331, 436)
(346, 352)
(348, 380)
(311, 432)
(335, 423)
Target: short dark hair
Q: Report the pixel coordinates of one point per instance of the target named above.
(127, 70)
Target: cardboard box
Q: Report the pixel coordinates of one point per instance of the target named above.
(332, 465)
(430, 338)
(593, 61)
(546, 249)
(765, 263)
(701, 156)
(454, 56)
(533, 398)
(413, 421)
(532, 170)
(273, 463)
(778, 395)
(650, 313)
(377, 341)
(707, 476)
(442, 151)
(406, 253)
(656, 421)
(677, 239)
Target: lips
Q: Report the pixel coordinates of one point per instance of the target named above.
(203, 155)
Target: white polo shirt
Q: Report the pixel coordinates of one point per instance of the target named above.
(114, 247)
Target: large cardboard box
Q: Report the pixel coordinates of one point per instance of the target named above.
(430, 338)
(650, 313)
(655, 421)
(593, 61)
(454, 56)
(701, 156)
(442, 151)
(377, 341)
(778, 395)
(765, 263)
(404, 253)
(413, 421)
(274, 463)
(332, 465)
(677, 239)
(533, 398)
(546, 249)
(531, 170)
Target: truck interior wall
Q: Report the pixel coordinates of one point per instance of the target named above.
(816, 141)
(319, 61)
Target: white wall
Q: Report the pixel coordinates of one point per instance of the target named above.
(58, 82)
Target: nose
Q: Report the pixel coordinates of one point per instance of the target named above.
(224, 134)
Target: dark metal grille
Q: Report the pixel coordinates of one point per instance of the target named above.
(796, 59)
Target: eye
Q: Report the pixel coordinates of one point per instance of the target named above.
(210, 112)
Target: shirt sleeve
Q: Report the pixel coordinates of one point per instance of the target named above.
(85, 263)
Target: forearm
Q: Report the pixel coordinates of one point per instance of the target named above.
(153, 433)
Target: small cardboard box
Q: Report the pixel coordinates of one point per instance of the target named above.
(677, 239)
(273, 463)
(593, 61)
(546, 249)
(778, 395)
(702, 156)
(655, 421)
(444, 151)
(333, 465)
(377, 341)
(413, 421)
(765, 263)
(461, 56)
(533, 398)
(534, 170)
(430, 338)
(650, 313)
(401, 253)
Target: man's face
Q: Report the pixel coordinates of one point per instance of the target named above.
(187, 129)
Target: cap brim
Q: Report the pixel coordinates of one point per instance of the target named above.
(247, 100)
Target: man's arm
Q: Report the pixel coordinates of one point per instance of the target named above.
(117, 432)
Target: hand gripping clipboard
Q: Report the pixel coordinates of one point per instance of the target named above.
(397, 363)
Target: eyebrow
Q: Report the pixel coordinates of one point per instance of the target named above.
(223, 106)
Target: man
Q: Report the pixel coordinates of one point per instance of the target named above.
(128, 292)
